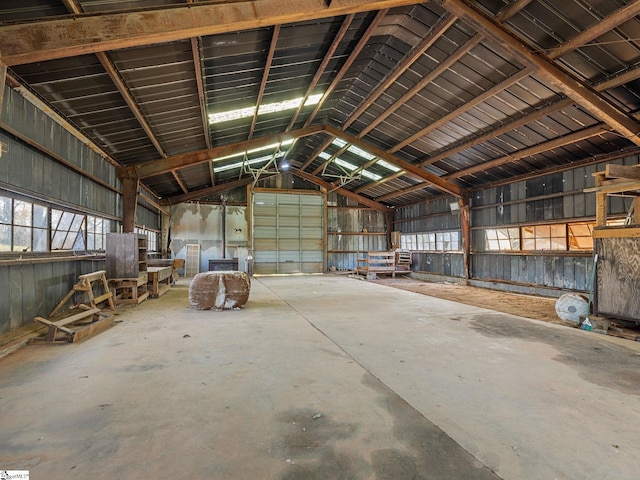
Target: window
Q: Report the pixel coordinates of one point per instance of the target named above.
(67, 230)
(502, 239)
(152, 238)
(576, 236)
(97, 229)
(580, 236)
(544, 237)
(23, 226)
(447, 241)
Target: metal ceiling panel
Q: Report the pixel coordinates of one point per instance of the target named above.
(153, 101)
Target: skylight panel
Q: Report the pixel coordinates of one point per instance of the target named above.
(352, 167)
(253, 161)
(273, 146)
(388, 166)
(361, 153)
(263, 109)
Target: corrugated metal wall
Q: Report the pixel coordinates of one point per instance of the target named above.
(557, 197)
(34, 289)
(351, 231)
(26, 170)
(434, 216)
(30, 290)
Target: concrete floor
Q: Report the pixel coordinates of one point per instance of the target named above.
(323, 377)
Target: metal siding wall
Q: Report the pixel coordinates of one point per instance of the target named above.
(35, 289)
(436, 215)
(352, 241)
(33, 173)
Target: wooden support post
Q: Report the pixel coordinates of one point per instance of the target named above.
(389, 221)
(129, 203)
(164, 241)
(601, 201)
(3, 78)
(636, 210)
(465, 226)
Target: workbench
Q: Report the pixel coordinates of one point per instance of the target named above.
(159, 281)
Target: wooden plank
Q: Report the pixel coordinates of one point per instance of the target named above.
(617, 185)
(65, 320)
(36, 41)
(613, 170)
(93, 276)
(616, 232)
(92, 329)
(618, 278)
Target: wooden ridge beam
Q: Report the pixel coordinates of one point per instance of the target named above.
(169, 164)
(68, 36)
(203, 192)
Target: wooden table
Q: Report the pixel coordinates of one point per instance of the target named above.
(159, 280)
(130, 290)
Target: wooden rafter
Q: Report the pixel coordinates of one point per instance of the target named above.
(197, 62)
(511, 9)
(434, 34)
(342, 191)
(411, 169)
(323, 66)
(531, 151)
(36, 41)
(165, 165)
(114, 75)
(545, 69)
(399, 193)
(628, 76)
(317, 152)
(265, 76)
(599, 28)
(418, 87)
(477, 100)
(347, 64)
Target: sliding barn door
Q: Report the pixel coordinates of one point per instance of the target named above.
(288, 233)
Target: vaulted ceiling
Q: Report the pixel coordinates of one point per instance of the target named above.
(390, 102)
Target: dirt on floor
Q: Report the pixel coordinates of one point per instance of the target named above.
(530, 306)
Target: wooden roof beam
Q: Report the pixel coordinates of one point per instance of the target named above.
(204, 192)
(347, 64)
(531, 151)
(411, 169)
(434, 34)
(265, 76)
(342, 191)
(346, 23)
(620, 16)
(422, 84)
(165, 165)
(580, 92)
(59, 37)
